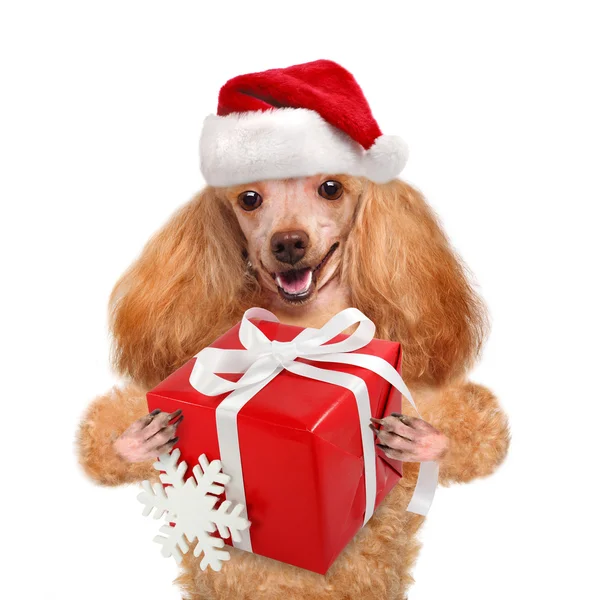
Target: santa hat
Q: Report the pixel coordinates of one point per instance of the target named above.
(296, 122)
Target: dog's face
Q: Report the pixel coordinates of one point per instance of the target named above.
(295, 231)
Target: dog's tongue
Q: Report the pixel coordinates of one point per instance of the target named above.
(295, 282)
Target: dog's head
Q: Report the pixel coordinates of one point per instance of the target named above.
(295, 232)
(293, 243)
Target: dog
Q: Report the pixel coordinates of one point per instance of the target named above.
(305, 248)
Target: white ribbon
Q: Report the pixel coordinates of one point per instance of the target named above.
(263, 359)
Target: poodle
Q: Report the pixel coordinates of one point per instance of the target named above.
(304, 248)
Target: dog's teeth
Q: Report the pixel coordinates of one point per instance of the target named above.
(308, 282)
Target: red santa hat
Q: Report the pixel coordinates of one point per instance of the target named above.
(296, 122)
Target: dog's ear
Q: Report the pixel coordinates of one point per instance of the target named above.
(188, 286)
(403, 274)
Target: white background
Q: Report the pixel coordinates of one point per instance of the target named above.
(101, 108)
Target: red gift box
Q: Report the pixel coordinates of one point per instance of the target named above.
(300, 446)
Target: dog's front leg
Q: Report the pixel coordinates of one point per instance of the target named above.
(463, 428)
(118, 441)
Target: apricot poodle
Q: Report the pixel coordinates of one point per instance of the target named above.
(304, 248)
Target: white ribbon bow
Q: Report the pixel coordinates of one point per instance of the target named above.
(263, 359)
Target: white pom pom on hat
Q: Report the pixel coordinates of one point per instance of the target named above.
(385, 158)
(296, 122)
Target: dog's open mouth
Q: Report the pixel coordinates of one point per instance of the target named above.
(296, 285)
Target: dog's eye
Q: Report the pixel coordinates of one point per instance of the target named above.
(331, 190)
(250, 200)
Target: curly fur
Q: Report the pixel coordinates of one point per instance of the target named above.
(191, 283)
(403, 274)
(187, 287)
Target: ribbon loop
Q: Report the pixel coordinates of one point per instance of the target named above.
(263, 359)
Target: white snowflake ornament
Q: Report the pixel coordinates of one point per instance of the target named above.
(190, 505)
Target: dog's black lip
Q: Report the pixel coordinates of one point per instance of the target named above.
(326, 257)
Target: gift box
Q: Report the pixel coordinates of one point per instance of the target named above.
(300, 443)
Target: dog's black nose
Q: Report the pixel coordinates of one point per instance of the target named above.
(289, 246)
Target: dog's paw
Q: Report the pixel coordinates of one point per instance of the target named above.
(148, 437)
(409, 439)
